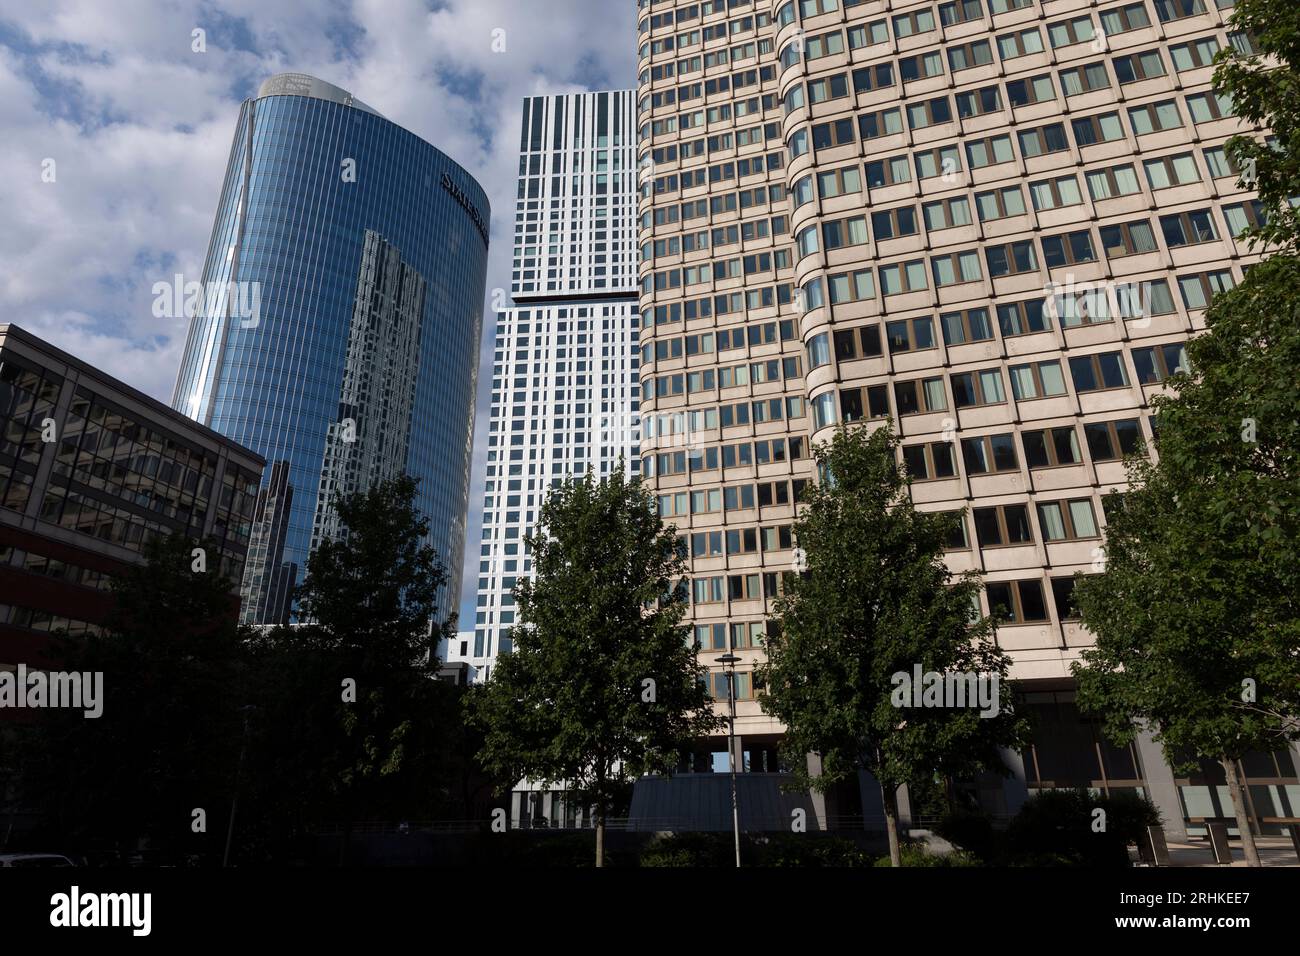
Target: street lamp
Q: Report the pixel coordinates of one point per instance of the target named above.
(730, 661)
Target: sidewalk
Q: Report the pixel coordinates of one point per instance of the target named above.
(1274, 851)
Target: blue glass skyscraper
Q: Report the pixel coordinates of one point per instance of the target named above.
(337, 327)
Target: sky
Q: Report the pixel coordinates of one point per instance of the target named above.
(116, 121)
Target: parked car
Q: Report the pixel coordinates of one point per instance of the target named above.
(34, 859)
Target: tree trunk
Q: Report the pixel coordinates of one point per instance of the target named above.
(1229, 766)
(600, 837)
(889, 796)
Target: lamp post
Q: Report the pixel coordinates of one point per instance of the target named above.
(730, 661)
(247, 710)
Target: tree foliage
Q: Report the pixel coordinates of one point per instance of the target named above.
(876, 599)
(166, 742)
(1265, 90)
(201, 714)
(350, 695)
(1196, 615)
(602, 683)
(1203, 552)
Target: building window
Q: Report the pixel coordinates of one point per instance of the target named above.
(1188, 228)
(1127, 239)
(1084, 79)
(1063, 599)
(1023, 318)
(1103, 128)
(1087, 307)
(1000, 203)
(1155, 364)
(946, 213)
(1022, 43)
(862, 342)
(989, 454)
(920, 66)
(971, 389)
(892, 223)
(1070, 32)
(970, 55)
(956, 268)
(1131, 16)
(930, 462)
(938, 162)
(1197, 290)
(907, 335)
(1069, 249)
(971, 325)
(1139, 66)
(1092, 373)
(1204, 107)
(910, 24)
(887, 172)
(1037, 380)
(979, 102)
(990, 152)
(1111, 441)
(957, 540)
(1044, 140)
(874, 125)
(1053, 193)
(1002, 526)
(960, 11)
(1067, 520)
(1115, 181)
(920, 396)
(1016, 602)
(1051, 447)
(1243, 216)
(838, 182)
(1011, 259)
(1154, 117)
(1139, 299)
(929, 113)
(1168, 10)
(1193, 55)
(905, 277)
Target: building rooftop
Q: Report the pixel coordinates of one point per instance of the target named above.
(303, 84)
(11, 334)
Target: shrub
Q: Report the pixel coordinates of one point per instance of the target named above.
(1055, 828)
(690, 849)
(806, 850)
(972, 832)
(914, 854)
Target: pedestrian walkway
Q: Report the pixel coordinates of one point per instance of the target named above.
(1274, 851)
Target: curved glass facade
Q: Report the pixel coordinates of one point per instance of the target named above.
(338, 329)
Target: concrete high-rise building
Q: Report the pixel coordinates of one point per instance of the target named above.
(991, 223)
(339, 323)
(564, 386)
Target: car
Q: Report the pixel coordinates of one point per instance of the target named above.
(34, 859)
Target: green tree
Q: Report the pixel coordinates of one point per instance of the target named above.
(1264, 84)
(166, 741)
(875, 600)
(602, 684)
(1196, 614)
(348, 700)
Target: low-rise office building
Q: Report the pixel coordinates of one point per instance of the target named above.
(90, 470)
